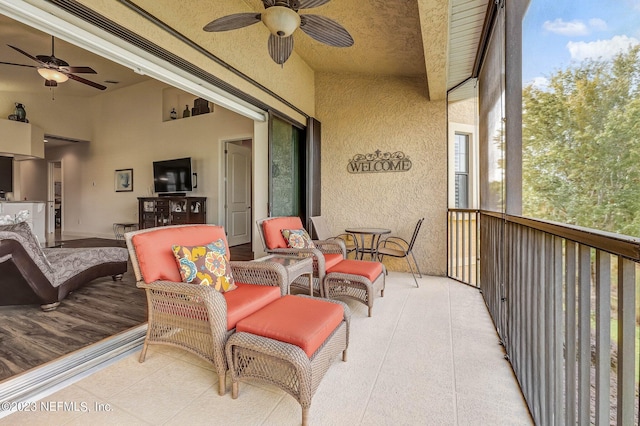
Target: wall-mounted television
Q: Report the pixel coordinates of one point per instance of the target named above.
(172, 175)
(6, 174)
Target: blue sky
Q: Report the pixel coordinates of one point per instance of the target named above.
(557, 33)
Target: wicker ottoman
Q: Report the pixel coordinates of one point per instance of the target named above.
(289, 343)
(358, 279)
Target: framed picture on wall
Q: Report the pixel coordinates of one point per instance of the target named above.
(124, 180)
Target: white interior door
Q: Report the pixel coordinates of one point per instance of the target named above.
(238, 193)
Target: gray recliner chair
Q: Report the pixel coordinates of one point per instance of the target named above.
(32, 275)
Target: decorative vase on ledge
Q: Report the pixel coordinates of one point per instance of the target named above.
(186, 113)
(173, 114)
(20, 113)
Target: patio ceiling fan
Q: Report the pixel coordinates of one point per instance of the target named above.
(281, 17)
(55, 70)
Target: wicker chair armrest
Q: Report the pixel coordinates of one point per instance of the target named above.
(178, 288)
(189, 294)
(260, 273)
(335, 246)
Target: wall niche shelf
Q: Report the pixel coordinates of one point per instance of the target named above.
(179, 99)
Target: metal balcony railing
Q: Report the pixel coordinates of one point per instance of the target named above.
(463, 246)
(564, 300)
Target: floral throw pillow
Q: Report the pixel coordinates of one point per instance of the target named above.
(297, 238)
(206, 265)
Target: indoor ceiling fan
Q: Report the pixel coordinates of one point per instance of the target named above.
(282, 19)
(55, 70)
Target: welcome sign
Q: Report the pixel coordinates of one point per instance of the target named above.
(379, 162)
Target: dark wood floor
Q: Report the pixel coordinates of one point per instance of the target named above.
(241, 252)
(30, 337)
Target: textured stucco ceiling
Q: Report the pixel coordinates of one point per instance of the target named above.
(386, 33)
(398, 38)
(390, 35)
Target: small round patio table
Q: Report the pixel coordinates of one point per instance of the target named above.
(375, 234)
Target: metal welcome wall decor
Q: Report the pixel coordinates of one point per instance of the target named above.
(379, 162)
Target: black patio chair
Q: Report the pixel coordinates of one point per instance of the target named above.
(399, 247)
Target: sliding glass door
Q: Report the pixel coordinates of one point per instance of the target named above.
(287, 169)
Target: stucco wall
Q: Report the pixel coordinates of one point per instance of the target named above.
(465, 111)
(360, 115)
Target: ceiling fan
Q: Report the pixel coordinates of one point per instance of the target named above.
(55, 70)
(282, 19)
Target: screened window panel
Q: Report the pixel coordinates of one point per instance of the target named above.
(492, 106)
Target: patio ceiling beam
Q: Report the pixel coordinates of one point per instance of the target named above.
(434, 24)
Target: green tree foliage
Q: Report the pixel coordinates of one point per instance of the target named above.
(581, 146)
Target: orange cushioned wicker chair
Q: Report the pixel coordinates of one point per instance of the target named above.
(326, 253)
(334, 275)
(197, 318)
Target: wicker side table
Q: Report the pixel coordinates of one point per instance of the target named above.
(295, 267)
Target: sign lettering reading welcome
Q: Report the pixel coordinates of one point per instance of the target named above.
(379, 162)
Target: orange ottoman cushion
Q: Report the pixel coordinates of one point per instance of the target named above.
(247, 299)
(364, 268)
(300, 321)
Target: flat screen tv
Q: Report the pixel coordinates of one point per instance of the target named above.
(6, 174)
(172, 175)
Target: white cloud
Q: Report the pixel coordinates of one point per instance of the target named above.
(540, 83)
(597, 24)
(605, 49)
(574, 28)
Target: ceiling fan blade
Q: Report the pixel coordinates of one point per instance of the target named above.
(233, 22)
(81, 70)
(308, 4)
(87, 82)
(33, 58)
(325, 30)
(280, 48)
(19, 65)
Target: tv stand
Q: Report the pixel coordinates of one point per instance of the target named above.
(171, 210)
(172, 194)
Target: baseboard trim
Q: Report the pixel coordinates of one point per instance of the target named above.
(37, 383)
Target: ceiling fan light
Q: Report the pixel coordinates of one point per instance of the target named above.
(280, 20)
(51, 74)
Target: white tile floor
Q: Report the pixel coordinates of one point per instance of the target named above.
(428, 356)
